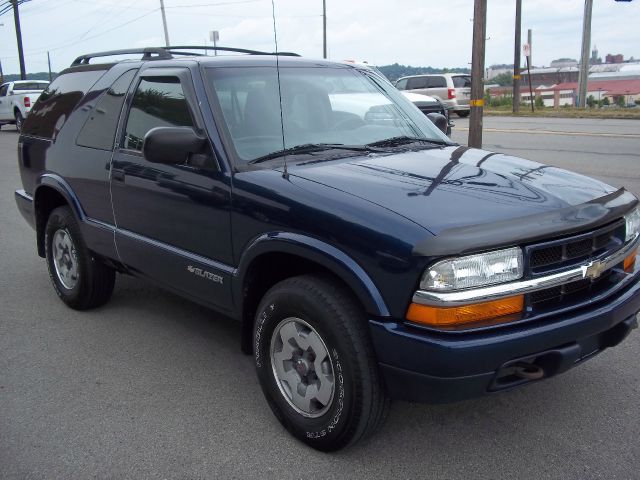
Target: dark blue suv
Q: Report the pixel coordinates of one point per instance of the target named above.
(366, 256)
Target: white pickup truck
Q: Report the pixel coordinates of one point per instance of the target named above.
(16, 99)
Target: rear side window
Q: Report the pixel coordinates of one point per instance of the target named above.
(416, 82)
(30, 86)
(462, 82)
(99, 130)
(3, 90)
(402, 84)
(57, 102)
(437, 82)
(158, 102)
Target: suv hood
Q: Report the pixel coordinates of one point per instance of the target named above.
(453, 186)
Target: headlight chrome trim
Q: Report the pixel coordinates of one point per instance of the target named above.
(493, 292)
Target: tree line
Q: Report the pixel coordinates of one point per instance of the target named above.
(12, 77)
(395, 71)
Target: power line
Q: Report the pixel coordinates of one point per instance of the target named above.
(106, 31)
(9, 5)
(235, 2)
(75, 39)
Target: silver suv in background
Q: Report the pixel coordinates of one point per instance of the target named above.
(452, 89)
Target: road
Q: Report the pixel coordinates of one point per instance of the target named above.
(605, 149)
(152, 386)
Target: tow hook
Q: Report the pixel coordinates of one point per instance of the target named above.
(528, 371)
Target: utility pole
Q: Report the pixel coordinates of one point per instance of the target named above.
(529, 50)
(1, 74)
(16, 18)
(530, 42)
(584, 57)
(477, 73)
(324, 28)
(516, 58)
(164, 24)
(49, 64)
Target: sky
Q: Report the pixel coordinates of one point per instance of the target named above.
(411, 32)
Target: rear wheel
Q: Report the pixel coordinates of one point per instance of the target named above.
(80, 279)
(463, 113)
(316, 364)
(19, 120)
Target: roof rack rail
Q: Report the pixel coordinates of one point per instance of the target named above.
(172, 49)
(164, 53)
(147, 54)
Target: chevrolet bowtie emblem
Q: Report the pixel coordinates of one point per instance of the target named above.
(594, 269)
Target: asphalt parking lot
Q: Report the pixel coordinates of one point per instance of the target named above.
(152, 386)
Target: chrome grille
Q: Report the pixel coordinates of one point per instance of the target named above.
(557, 255)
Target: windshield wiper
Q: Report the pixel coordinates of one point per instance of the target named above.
(403, 140)
(313, 148)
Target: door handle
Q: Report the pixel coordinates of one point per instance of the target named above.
(117, 175)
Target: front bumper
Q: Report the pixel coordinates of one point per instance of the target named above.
(436, 367)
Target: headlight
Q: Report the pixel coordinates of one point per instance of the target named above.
(632, 221)
(474, 270)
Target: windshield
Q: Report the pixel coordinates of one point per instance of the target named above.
(320, 106)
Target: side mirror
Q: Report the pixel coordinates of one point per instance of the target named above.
(439, 121)
(172, 145)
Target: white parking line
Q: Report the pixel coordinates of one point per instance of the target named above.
(554, 132)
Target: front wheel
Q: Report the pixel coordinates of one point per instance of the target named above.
(316, 364)
(80, 279)
(463, 113)
(19, 121)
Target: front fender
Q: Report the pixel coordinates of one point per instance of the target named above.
(318, 252)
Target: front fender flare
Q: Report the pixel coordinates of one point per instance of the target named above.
(321, 253)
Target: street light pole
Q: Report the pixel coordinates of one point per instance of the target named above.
(164, 24)
(477, 72)
(584, 57)
(324, 28)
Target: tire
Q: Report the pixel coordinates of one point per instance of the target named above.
(19, 120)
(463, 113)
(326, 340)
(79, 278)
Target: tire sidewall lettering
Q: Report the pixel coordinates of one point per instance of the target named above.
(266, 321)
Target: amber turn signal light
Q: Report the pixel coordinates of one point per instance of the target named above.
(630, 261)
(451, 317)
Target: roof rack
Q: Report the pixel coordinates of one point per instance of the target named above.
(164, 53)
(147, 54)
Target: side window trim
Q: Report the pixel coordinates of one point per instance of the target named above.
(186, 82)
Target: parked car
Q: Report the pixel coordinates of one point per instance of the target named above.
(427, 105)
(453, 89)
(366, 256)
(16, 99)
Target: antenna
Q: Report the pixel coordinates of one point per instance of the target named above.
(285, 173)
